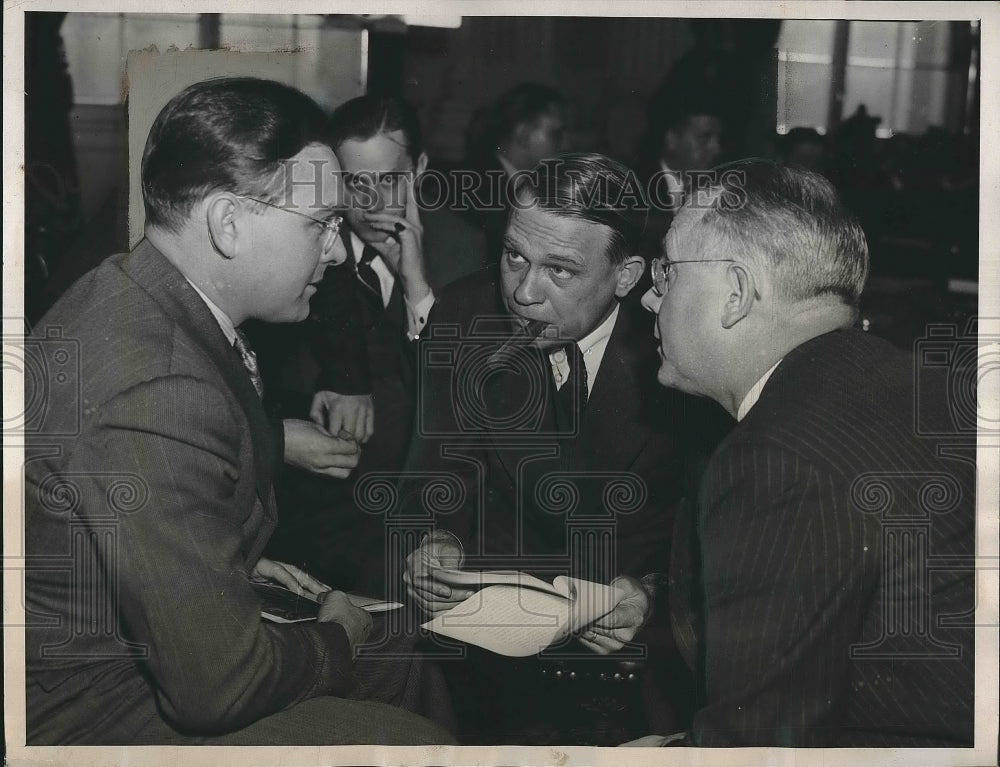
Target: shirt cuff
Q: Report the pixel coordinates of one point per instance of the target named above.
(416, 316)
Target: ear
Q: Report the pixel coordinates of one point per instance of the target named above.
(629, 273)
(221, 213)
(421, 163)
(670, 141)
(742, 292)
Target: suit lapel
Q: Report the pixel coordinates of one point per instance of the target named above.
(162, 280)
(614, 428)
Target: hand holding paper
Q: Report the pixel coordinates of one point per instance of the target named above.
(517, 614)
(438, 552)
(632, 609)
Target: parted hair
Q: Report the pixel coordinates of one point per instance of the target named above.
(224, 134)
(790, 220)
(365, 117)
(589, 187)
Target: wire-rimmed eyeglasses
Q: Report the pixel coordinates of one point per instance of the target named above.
(661, 270)
(331, 228)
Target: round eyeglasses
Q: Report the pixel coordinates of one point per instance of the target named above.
(331, 227)
(661, 270)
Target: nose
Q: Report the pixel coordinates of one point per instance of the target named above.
(651, 301)
(527, 291)
(336, 254)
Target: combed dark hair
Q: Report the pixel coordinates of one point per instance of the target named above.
(524, 103)
(589, 187)
(670, 109)
(225, 133)
(368, 116)
(793, 222)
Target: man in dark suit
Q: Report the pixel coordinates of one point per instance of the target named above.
(354, 344)
(149, 478)
(534, 399)
(683, 137)
(503, 141)
(826, 594)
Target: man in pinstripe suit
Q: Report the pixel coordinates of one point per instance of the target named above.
(821, 590)
(148, 479)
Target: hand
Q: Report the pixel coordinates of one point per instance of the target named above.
(433, 596)
(289, 576)
(335, 608)
(313, 448)
(403, 250)
(352, 414)
(611, 632)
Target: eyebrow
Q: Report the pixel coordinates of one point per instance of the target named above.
(564, 259)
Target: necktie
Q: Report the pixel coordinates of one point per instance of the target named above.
(249, 361)
(571, 398)
(368, 278)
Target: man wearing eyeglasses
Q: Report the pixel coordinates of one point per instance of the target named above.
(566, 408)
(808, 605)
(148, 482)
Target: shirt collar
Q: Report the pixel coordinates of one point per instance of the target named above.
(225, 323)
(754, 394)
(601, 333)
(675, 185)
(509, 169)
(357, 247)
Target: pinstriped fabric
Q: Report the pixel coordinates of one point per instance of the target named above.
(816, 600)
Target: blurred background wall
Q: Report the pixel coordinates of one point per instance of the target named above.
(895, 103)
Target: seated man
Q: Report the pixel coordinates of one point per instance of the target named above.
(361, 320)
(569, 459)
(149, 479)
(808, 604)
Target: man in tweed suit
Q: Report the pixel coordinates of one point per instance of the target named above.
(149, 491)
(803, 588)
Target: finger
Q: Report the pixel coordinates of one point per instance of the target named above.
(593, 646)
(339, 449)
(306, 581)
(317, 413)
(336, 473)
(390, 222)
(412, 210)
(335, 420)
(608, 644)
(368, 426)
(619, 619)
(285, 577)
(358, 423)
(431, 587)
(614, 639)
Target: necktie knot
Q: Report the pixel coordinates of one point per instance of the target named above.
(242, 345)
(368, 277)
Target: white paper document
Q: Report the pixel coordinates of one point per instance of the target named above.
(517, 614)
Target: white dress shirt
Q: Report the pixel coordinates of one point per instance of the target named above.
(592, 347)
(225, 323)
(754, 394)
(416, 316)
(675, 185)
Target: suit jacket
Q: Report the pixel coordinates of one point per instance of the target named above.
(597, 500)
(148, 501)
(453, 247)
(827, 596)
